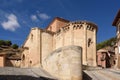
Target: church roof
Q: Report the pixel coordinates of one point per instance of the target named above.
(57, 18)
(116, 18)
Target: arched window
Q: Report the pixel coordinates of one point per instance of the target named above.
(23, 57)
(89, 41)
(31, 37)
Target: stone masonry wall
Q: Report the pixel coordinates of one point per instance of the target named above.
(81, 34)
(65, 63)
(91, 46)
(46, 48)
(31, 56)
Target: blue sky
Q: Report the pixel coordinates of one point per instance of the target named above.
(17, 17)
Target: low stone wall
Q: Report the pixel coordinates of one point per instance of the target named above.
(65, 63)
(12, 73)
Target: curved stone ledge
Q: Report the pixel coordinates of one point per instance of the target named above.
(72, 47)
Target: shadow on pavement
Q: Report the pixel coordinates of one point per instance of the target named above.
(86, 77)
(22, 77)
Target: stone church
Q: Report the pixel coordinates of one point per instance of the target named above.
(60, 44)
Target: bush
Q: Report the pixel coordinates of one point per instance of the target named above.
(2, 42)
(8, 43)
(15, 46)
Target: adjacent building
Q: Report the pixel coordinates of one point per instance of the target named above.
(10, 57)
(106, 58)
(116, 23)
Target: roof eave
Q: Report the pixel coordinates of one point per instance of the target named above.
(57, 18)
(116, 19)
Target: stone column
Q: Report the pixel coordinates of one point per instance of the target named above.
(94, 48)
(84, 56)
(72, 33)
(38, 33)
(40, 47)
(63, 37)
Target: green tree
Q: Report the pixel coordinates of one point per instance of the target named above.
(15, 46)
(110, 42)
(8, 43)
(2, 42)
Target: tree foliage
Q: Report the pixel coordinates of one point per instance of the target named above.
(5, 43)
(111, 42)
(15, 46)
(2, 42)
(8, 43)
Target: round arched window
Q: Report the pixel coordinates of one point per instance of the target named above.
(23, 57)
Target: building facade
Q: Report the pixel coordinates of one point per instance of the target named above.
(60, 33)
(105, 58)
(116, 23)
(9, 57)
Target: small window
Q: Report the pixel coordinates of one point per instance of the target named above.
(30, 62)
(31, 37)
(23, 57)
(89, 42)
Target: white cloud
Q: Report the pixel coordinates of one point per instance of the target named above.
(12, 23)
(44, 16)
(34, 17)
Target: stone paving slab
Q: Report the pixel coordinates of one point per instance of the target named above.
(103, 74)
(24, 73)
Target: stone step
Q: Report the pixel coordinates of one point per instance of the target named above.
(102, 74)
(10, 73)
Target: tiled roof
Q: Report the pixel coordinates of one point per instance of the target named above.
(58, 18)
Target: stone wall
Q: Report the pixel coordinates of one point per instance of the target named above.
(81, 34)
(46, 45)
(31, 56)
(56, 24)
(2, 60)
(65, 63)
(12, 63)
(91, 45)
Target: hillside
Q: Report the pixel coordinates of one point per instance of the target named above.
(110, 42)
